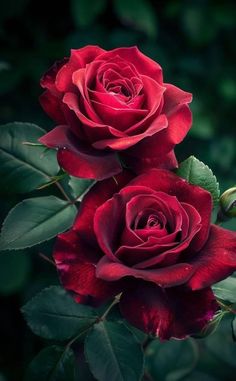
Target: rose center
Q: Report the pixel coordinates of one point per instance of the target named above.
(149, 219)
(152, 221)
(119, 89)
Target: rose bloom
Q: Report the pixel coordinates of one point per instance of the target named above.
(149, 238)
(113, 102)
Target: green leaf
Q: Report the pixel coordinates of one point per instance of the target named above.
(198, 173)
(221, 344)
(226, 289)
(171, 360)
(53, 314)
(139, 14)
(36, 220)
(52, 364)
(24, 167)
(79, 187)
(113, 353)
(14, 271)
(85, 12)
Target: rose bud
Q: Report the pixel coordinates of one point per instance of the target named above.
(149, 239)
(112, 107)
(227, 204)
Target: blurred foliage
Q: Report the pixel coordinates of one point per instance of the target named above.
(194, 41)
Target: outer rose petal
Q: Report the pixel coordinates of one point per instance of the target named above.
(141, 163)
(119, 144)
(172, 312)
(79, 160)
(74, 260)
(97, 195)
(78, 59)
(179, 123)
(52, 106)
(216, 260)
(166, 277)
(174, 97)
(48, 79)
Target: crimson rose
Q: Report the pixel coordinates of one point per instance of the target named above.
(109, 102)
(151, 239)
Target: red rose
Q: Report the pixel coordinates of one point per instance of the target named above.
(151, 239)
(109, 102)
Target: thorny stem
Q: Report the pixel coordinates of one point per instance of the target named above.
(47, 259)
(115, 180)
(115, 301)
(227, 308)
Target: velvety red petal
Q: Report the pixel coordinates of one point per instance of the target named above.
(74, 260)
(179, 123)
(140, 163)
(94, 130)
(216, 260)
(113, 209)
(48, 79)
(143, 64)
(118, 117)
(153, 101)
(52, 106)
(172, 312)
(166, 181)
(78, 59)
(98, 194)
(164, 277)
(88, 163)
(79, 160)
(120, 144)
(173, 97)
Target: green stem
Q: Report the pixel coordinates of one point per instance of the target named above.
(63, 191)
(47, 259)
(115, 301)
(227, 308)
(78, 336)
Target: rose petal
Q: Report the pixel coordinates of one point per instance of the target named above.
(97, 195)
(113, 210)
(119, 118)
(52, 106)
(95, 130)
(120, 144)
(48, 79)
(216, 260)
(74, 260)
(78, 59)
(142, 63)
(167, 313)
(179, 123)
(79, 160)
(140, 163)
(174, 97)
(165, 277)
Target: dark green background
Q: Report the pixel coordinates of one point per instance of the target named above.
(194, 41)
